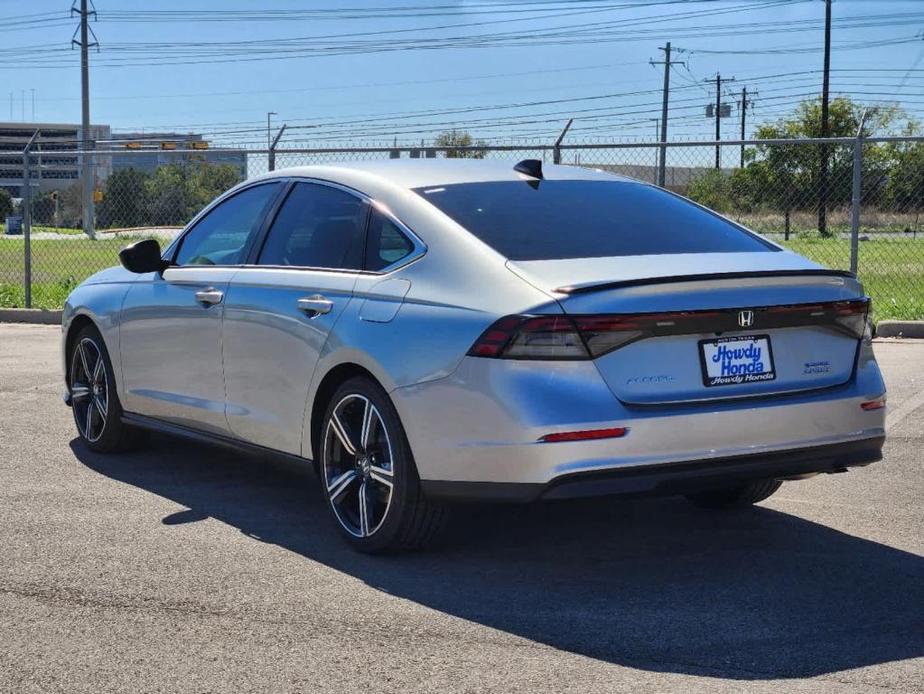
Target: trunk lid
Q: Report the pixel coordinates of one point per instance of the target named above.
(711, 326)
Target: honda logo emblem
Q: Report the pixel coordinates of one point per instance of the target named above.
(745, 319)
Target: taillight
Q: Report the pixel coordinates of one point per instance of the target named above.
(851, 316)
(557, 337)
(531, 337)
(848, 316)
(590, 336)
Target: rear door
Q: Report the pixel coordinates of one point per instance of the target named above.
(281, 308)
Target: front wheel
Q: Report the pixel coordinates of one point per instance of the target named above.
(94, 401)
(368, 476)
(735, 496)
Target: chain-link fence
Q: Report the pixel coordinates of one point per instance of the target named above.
(847, 204)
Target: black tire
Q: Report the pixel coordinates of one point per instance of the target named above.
(736, 496)
(96, 398)
(402, 517)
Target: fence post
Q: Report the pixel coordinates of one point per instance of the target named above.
(856, 197)
(271, 164)
(87, 174)
(27, 219)
(556, 150)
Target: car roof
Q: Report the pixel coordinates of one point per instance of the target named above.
(420, 173)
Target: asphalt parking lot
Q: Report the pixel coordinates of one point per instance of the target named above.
(188, 569)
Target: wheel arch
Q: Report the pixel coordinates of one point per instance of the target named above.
(78, 323)
(332, 380)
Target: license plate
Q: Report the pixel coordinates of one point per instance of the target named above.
(730, 361)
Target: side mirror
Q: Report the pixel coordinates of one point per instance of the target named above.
(142, 257)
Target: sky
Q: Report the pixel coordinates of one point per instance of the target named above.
(370, 71)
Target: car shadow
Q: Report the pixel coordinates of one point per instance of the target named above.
(652, 584)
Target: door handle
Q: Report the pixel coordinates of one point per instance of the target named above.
(209, 296)
(315, 305)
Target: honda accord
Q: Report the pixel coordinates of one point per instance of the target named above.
(429, 331)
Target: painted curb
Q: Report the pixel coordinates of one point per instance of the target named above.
(30, 315)
(900, 328)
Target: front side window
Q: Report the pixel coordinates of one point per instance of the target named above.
(387, 244)
(545, 220)
(317, 226)
(220, 237)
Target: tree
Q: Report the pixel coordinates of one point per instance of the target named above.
(792, 172)
(786, 177)
(453, 139)
(166, 193)
(70, 206)
(6, 203)
(710, 188)
(125, 200)
(43, 208)
(177, 191)
(207, 181)
(904, 187)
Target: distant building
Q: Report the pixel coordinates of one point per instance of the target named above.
(148, 151)
(51, 172)
(60, 169)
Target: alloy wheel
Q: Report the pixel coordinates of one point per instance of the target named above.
(358, 465)
(89, 389)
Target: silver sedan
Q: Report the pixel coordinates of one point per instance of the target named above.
(434, 331)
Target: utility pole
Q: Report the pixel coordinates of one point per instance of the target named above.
(86, 141)
(33, 105)
(662, 163)
(718, 117)
(657, 122)
(744, 114)
(269, 137)
(823, 170)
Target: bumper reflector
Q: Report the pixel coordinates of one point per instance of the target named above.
(614, 433)
(876, 404)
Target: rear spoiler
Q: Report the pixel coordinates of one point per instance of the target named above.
(620, 284)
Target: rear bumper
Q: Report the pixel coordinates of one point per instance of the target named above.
(485, 424)
(671, 478)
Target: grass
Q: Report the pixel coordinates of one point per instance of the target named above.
(892, 269)
(58, 265)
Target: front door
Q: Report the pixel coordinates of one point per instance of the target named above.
(170, 334)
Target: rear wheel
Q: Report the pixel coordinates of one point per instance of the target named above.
(368, 474)
(736, 496)
(95, 404)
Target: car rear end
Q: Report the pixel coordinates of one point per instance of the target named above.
(681, 352)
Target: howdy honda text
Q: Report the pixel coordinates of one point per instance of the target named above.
(736, 360)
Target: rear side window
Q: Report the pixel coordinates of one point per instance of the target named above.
(544, 220)
(317, 226)
(387, 244)
(219, 237)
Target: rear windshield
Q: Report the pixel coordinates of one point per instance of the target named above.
(543, 220)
